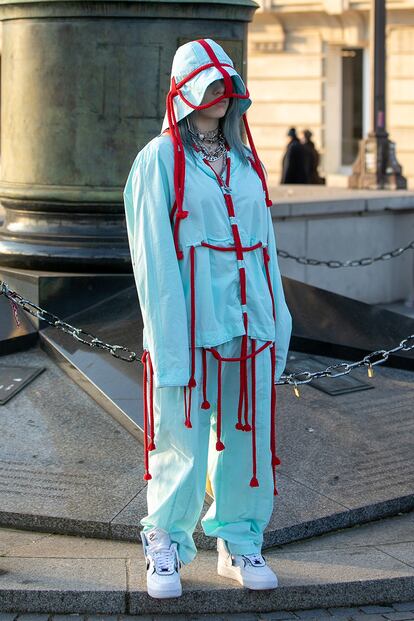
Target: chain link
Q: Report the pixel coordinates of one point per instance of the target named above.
(350, 263)
(367, 361)
(80, 335)
(118, 350)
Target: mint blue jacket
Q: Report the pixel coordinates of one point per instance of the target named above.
(163, 281)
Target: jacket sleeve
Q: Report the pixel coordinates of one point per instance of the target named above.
(283, 316)
(148, 199)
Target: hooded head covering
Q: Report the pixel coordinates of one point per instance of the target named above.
(197, 64)
(189, 59)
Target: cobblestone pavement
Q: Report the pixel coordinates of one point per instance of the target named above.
(399, 611)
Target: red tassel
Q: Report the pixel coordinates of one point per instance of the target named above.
(151, 410)
(254, 482)
(219, 443)
(247, 426)
(239, 424)
(146, 475)
(181, 215)
(192, 382)
(275, 458)
(185, 406)
(188, 424)
(205, 405)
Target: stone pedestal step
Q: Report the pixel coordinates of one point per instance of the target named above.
(55, 574)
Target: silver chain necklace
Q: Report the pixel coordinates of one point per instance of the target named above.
(212, 156)
(215, 135)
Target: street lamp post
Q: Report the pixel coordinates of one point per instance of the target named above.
(376, 166)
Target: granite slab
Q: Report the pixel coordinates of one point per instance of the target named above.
(61, 574)
(62, 585)
(65, 464)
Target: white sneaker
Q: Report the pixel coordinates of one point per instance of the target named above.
(248, 569)
(163, 564)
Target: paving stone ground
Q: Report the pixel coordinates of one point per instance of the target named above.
(399, 611)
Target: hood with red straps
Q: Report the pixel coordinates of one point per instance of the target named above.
(195, 66)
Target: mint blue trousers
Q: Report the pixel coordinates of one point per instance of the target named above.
(183, 456)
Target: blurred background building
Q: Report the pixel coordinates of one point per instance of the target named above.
(308, 67)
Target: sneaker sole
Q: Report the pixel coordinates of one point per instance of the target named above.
(164, 594)
(229, 572)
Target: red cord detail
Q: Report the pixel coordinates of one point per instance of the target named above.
(242, 274)
(258, 168)
(246, 426)
(219, 443)
(226, 248)
(205, 405)
(228, 84)
(151, 445)
(179, 165)
(217, 355)
(188, 421)
(266, 258)
(147, 475)
(185, 406)
(192, 381)
(275, 459)
(239, 424)
(254, 482)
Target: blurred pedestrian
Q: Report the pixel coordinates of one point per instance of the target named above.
(293, 163)
(312, 159)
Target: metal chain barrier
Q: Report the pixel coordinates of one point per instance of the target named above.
(367, 361)
(299, 377)
(80, 335)
(350, 263)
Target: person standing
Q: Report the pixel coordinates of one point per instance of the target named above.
(294, 167)
(216, 325)
(312, 159)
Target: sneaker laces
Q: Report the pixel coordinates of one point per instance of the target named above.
(164, 560)
(255, 559)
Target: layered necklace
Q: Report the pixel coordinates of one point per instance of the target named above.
(204, 138)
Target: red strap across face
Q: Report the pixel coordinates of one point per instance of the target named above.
(228, 84)
(227, 79)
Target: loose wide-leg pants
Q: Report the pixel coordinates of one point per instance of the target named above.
(183, 456)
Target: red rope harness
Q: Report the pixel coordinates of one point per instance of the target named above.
(177, 214)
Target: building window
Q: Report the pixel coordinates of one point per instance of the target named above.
(352, 102)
